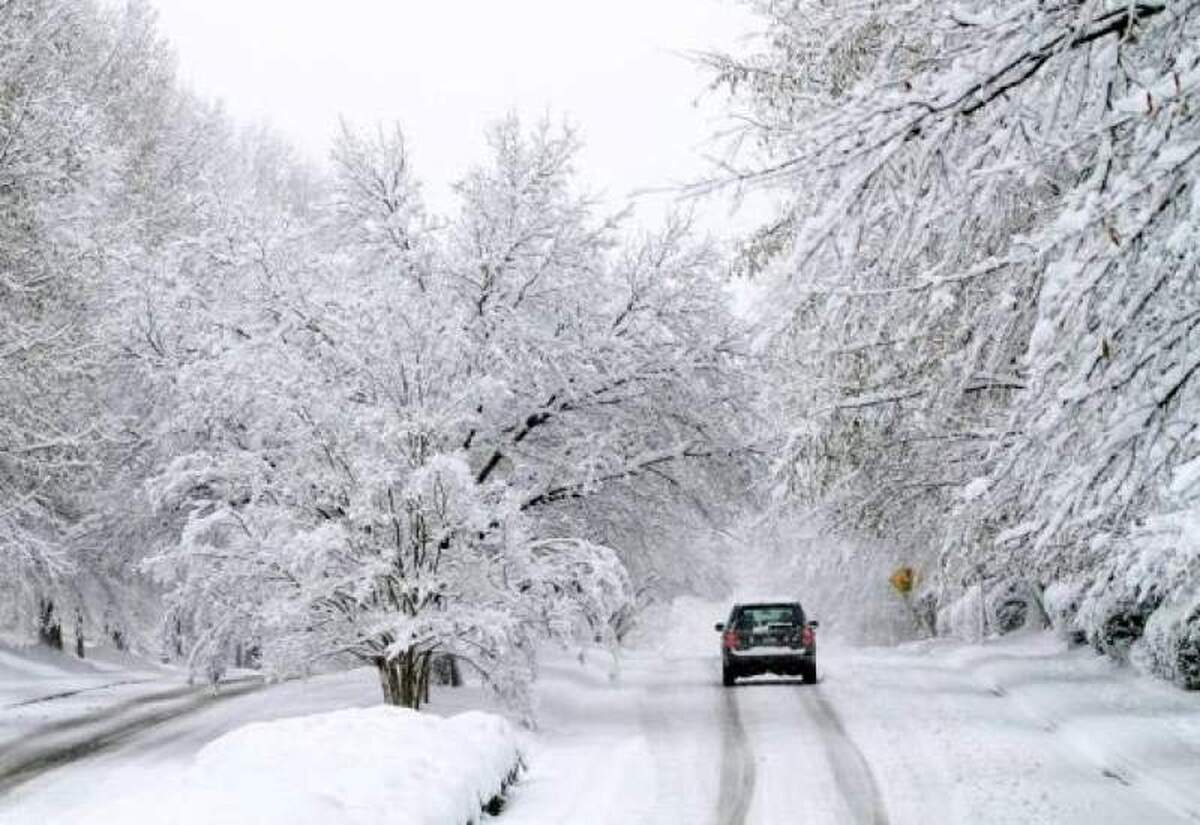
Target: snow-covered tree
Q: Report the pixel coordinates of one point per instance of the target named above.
(326, 424)
(76, 83)
(986, 270)
(391, 454)
(611, 362)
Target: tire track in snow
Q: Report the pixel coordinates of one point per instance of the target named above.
(680, 707)
(737, 766)
(109, 712)
(66, 694)
(22, 764)
(851, 771)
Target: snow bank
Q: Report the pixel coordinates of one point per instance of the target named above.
(359, 766)
(1023, 729)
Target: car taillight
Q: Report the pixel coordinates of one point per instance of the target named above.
(729, 639)
(806, 636)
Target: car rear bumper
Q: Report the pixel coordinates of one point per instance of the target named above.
(749, 663)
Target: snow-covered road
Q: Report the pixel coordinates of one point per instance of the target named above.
(1019, 730)
(909, 736)
(669, 744)
(129, 711)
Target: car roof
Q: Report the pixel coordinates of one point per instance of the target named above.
(765, 604)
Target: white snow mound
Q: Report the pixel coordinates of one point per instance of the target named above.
(359, 766)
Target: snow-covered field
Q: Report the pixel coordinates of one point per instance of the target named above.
(1019, 730)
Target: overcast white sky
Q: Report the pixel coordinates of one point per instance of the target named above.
(444, 70)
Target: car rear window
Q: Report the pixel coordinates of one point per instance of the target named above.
(764, 615)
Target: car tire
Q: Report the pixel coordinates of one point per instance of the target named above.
(728, 676)
(808, 671)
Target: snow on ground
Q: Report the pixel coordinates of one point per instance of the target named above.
(42, 690)
(1018, 730)
(151, 751)
(159, 740)
(353, 767)
(28, 674)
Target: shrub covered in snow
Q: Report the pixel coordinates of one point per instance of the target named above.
(1060, 600)
(1013, 604)
(1009, 604)
(1170, 646)
(350, 767)
(1144, 606)
(1120, 620)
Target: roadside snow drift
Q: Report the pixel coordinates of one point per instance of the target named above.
(351, 767)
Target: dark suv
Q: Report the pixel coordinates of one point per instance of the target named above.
(772, 637)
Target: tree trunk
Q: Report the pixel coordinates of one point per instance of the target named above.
(177, 639)
(79, 632)
(426, 659)
(404, 679)
(385, 682)
(49, 625)
(118, 639)
(444, 670)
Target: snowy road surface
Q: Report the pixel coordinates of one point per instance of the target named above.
(1016, 731)
(70, 737)
(672, 745)
(886, 737)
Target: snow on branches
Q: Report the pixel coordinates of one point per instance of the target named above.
(390, 458)
(990, 269)
(332, 426)
(71, 74)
